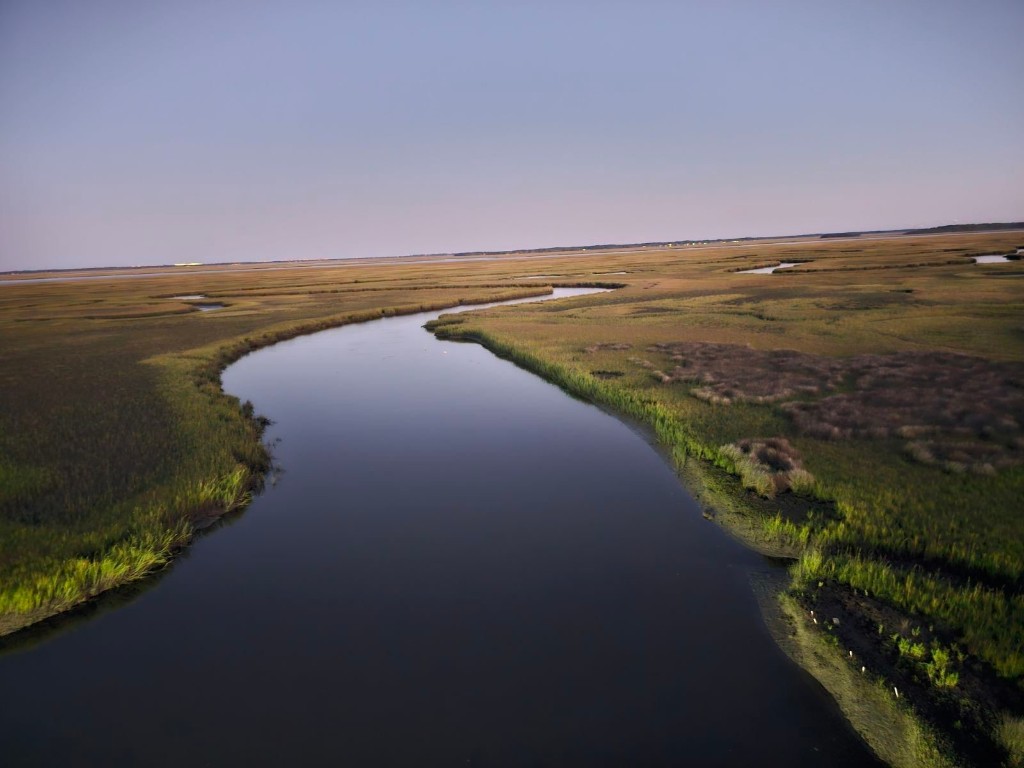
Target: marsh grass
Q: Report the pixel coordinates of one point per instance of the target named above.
(1011, 735)
(781, 529)
(970, 409)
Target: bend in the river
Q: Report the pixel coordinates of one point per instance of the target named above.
(460, 565)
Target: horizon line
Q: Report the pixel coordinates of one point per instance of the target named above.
(938, 229)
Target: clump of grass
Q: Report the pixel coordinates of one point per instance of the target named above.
(1010, 733)
(811, 568)
(222, 494)
(934, 660)
(78, 578)
(768, 466)
(939, 668)
(778, 528)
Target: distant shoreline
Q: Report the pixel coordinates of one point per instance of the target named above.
(119, 273)
(461, 256)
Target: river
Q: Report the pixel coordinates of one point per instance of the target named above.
(457, 565)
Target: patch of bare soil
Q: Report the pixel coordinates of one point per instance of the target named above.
(608, 345)
(869, 632)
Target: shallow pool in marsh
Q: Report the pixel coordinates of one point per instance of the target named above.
(458, 565)
(768, 270)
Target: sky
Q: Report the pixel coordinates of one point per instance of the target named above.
(219, 130)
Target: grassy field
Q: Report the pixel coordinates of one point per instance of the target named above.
(862, 413)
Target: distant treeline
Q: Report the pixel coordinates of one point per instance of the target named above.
(598, 247)
(594, 247)
(714, 241)
(966, 228)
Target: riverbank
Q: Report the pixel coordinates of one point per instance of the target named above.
(895, 734)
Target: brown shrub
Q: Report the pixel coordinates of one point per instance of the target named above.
(735, 373)
(768, 465)
(609, 345)
(971, 408)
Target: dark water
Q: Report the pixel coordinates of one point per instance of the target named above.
(459, 566)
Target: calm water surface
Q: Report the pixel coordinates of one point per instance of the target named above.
(459, 566)
(767, 270)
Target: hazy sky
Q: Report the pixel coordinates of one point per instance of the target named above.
(154, 132)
